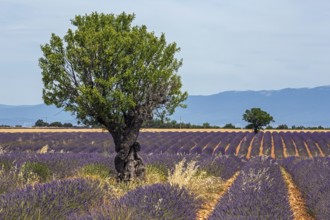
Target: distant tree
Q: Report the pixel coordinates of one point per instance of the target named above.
(4, 126)
(249, 126)
(55, 124)
(282, 127)
(67, 125)
(257, 118)
(229, 126)
(111, 73)
(300, 127)
(206, 125)
(40, 123)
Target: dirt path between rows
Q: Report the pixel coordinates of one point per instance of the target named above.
(207, 208)
(297, 203)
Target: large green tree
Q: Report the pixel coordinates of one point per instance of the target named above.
(257, 118)
(109, 72)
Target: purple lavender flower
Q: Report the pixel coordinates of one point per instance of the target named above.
(259, 192)
(54, 200)
(312, 177)
(158, 201)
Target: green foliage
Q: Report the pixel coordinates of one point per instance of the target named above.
(35, 171)
(257, 118)
(5, 126)
(109, 72)
(229, 126)
(55, 124)
(158, 123)
(41, 123)
(98, 170)
(283, 127)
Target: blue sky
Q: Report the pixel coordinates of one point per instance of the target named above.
(225, 44)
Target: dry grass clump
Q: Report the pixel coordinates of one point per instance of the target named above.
(205, 187)
(296, 200)
(188, 175)
(44, 149)
(183, 173)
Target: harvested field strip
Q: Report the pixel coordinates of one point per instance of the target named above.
(297, 203)
(24, 130)
(207, 208)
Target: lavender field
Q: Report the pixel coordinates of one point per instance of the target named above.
(190, 175)
(276, 145)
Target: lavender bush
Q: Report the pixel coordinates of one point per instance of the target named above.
(313, 179)
(55, 200)
(60, 165)
(224, 166)
(158, 201)
(259, 192)
(256, 144)
(9, 180)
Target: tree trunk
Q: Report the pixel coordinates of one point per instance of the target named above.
(255, 130)
(128, 163)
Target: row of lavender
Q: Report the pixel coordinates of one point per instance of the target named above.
(274, 144)
(259, 191)
(313, 179)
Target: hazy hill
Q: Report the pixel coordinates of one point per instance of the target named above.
(304, 106)
(27, 115)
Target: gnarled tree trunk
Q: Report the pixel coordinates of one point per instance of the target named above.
(128, 163)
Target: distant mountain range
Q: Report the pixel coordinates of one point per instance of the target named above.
(300, 107)
(303, 106)
(27, 115)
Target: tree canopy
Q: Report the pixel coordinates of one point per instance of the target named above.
(257, 118)
(109, 72)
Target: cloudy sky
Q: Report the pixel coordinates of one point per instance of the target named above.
(225, 44)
